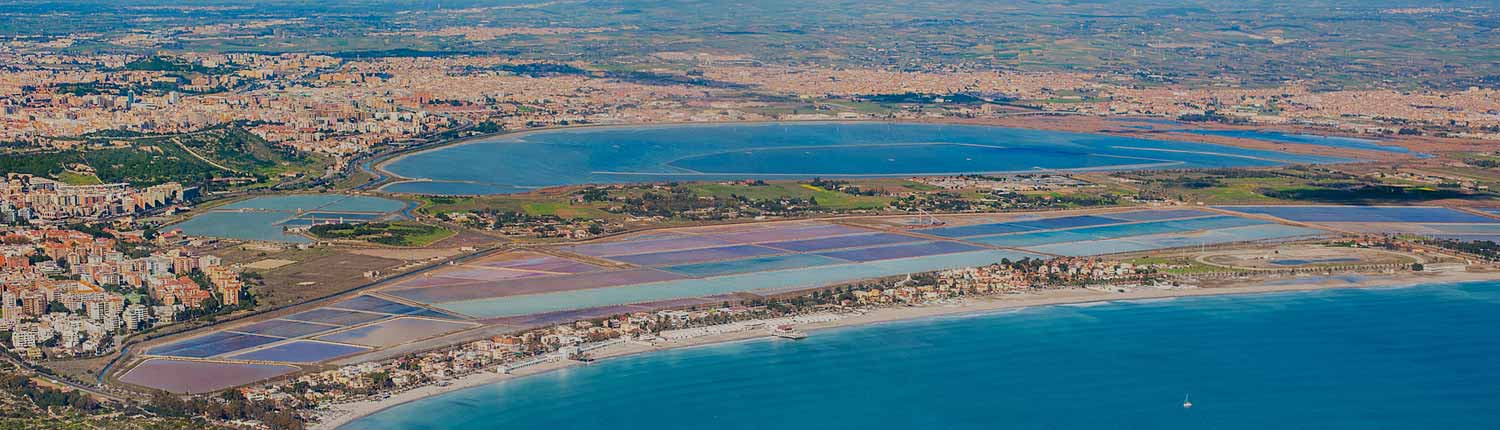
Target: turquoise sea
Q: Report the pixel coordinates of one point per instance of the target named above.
(522, 162)
(1401, 358)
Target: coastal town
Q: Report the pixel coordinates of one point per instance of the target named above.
(282, 216)
(344, 108)
(70, 293)
(33, 200)
(573, 342)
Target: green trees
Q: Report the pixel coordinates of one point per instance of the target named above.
(1482, 248)
(394, 234)
(56, 306)
(230, 405)
(155, 159)
(44, 397)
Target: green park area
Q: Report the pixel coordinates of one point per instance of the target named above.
(383, 233)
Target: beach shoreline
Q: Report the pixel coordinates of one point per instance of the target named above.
(341, 414)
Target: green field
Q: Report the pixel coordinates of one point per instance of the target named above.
(394, 234)
(1293, 184)
(869, 195)
(833, 200)
(1243, 190)
(534, 205)
(1188, 265)
(75, 178)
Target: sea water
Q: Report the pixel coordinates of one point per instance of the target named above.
(1408, 358)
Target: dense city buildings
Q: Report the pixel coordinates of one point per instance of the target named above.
(336, 106)
(66, 292)
(27, 198)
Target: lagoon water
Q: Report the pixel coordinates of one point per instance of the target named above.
(1307, 139)
(263, 218)
(521, 162)
(1402, 358)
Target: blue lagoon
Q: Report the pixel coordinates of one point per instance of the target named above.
(1306, 139)
(526, 161)
(266, 218)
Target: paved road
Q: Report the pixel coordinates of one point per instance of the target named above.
(58, 381)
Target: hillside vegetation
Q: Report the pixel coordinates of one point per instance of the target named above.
(190, 158)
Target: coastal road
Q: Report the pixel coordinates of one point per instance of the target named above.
(28, 368)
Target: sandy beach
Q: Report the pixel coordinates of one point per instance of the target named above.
(341, 414)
